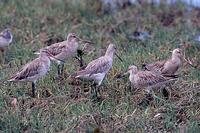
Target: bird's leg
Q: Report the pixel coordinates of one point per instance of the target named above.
(98, 92)
(128, 88)
(80, 57)
(2, 56)
(59, 71)
(81, 61)
(33, 89)
(147, 99)
(62, 68)
(95, 91)
(165, 93)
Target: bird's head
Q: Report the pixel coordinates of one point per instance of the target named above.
(177, 53)
(133, 69)
(73, 37)
(6, 34)
(112, 50)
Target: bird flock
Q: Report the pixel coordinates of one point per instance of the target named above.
(154, 75)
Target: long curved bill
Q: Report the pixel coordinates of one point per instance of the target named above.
(119, 57)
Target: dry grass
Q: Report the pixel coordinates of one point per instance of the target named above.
(62, 107)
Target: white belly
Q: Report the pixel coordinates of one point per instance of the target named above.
(41, 72)
(3, 42)
(97, 78)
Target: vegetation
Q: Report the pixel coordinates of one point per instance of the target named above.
(62, 107)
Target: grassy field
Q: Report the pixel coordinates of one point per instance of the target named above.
(69, 108)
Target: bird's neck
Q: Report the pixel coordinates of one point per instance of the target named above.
(131, 76)
(73, 45)
(10, 40)
(109, 54)
(43, 56)
(133, 73)
(175, 58)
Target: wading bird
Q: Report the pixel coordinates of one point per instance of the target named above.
(147, 79)
(97, 69)
(65, 50)
(167, 67)
(5, 39)
(34, 70)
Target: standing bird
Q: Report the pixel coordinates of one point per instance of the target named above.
(147, 79)
(167, 67)
(5, 39)
(97, 69)
(65, 50)
(34, 70)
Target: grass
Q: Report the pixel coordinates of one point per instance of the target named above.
(69, 109)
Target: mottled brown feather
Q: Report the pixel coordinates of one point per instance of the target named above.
(148, 78)
(30, 69)
(96, 66)
(56, 48)
(157, 66)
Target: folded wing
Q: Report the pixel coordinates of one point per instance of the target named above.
(31, 69)
(99, 65)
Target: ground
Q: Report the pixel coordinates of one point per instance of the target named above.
(62, 107)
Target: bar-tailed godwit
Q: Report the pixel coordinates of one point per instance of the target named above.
(169, 66)
(65, 50)
(34, 70)
(147, 79)
(97, 69)
(5, 39)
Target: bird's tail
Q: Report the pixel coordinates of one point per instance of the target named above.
(12, 79)
(78, 74)
(37, 53)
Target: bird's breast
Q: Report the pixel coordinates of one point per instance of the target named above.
(3, 42)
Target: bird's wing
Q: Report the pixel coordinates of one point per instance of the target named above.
(149, 78)
(56, 48)
(157, 66)
(28, 70)
(99, 65)
(170, 67)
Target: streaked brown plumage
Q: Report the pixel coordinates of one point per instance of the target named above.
(97, 69)
(64, 50)
(33, 70)
(167, 67)
(147, 79)
(6, 38)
